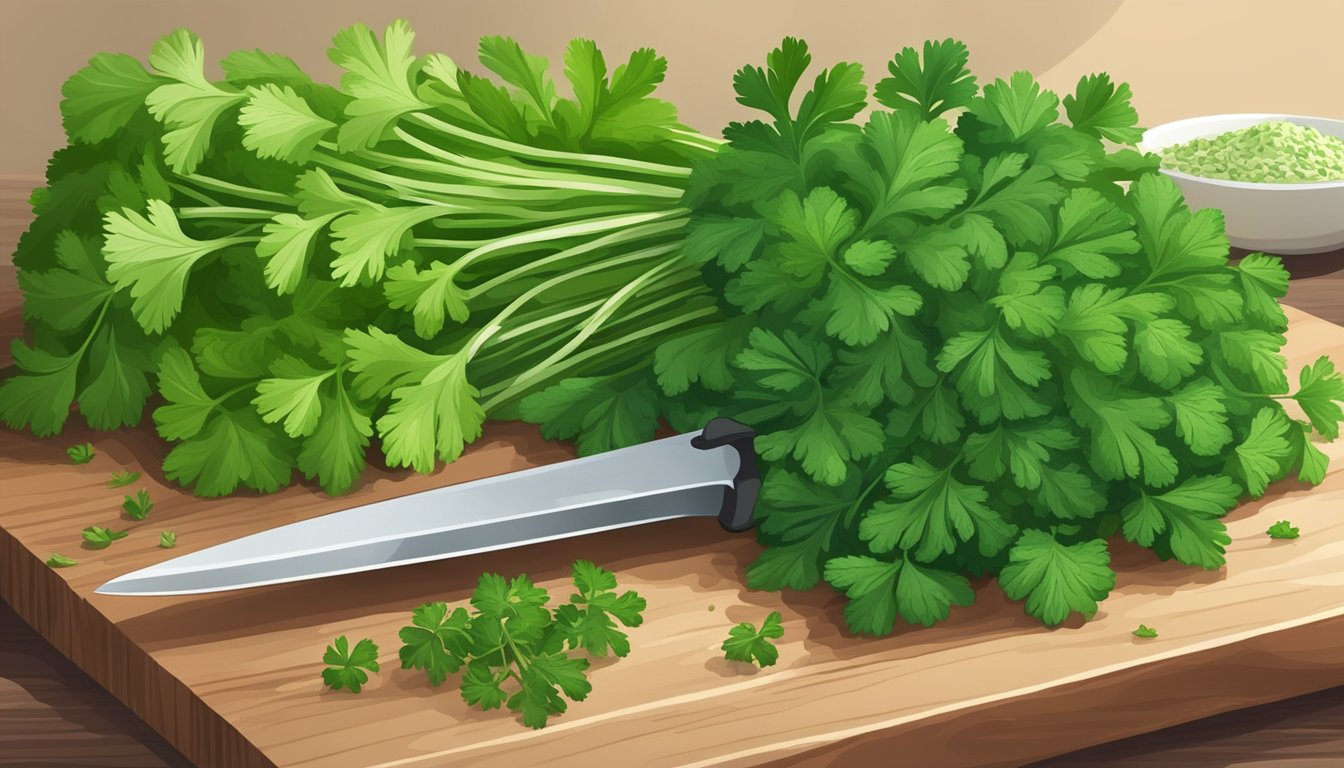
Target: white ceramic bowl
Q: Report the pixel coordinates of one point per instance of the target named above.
(1282, 219)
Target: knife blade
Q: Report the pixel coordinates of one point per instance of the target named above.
(712, 473)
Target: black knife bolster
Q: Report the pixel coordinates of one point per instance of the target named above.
(738, 512)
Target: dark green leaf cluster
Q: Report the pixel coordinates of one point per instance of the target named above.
(511, 648)
(968, 348)
(291, 269)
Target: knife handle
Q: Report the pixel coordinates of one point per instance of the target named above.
(738, 512)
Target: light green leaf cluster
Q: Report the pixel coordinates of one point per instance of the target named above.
(301, 271)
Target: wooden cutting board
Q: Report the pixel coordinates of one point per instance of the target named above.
(233, 679)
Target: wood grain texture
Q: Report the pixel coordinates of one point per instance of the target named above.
(662, 692)
(1303, 732)
(14, 212)
(53, 716)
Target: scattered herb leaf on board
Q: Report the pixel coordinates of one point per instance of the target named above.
(60, 561)
(589, 620)
(100, 538)
(80, 454)
(1283, 529)
(121, 479)
(348, 668)
(746, 643)
(167, 539)
(139, 506)
(1145, 631)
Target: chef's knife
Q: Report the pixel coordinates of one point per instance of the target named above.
(712, 473)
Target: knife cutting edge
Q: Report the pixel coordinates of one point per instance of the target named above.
(707, 474)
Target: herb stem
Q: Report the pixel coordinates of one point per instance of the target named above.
(251, 193)
(547, 155)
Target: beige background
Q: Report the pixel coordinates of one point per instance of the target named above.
(1181, 57)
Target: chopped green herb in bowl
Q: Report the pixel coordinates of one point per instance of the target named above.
(1277, 180)
(1272, 152)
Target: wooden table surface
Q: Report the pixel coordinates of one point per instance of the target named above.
(51, 714)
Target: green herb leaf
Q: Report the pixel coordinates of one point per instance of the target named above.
(378, 75)
(253, 67)
(152, 258)
(99, 538)
(746, 643)
(348, 668)
(589, 621)
(931, 511)
(139, 506)
(278, 123)
(1057, 579)
(191, 105)
(878, 591)
(65, 298)
(1184, 521)
(167, 539)
(233, 449)
(1101, 108)
(1145, 631)
(120, 479)
(939, 84)
(101, 99)
(437, 642)
(1320, 392)
(603, 413)
(1283, 530)
(1258, 457)
(80, 454)
(1020, 105)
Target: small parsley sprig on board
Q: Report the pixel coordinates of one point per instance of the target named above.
(139, 506)
(1283, 529)
(349, 668)
(512, 647)
(746, 643)
(80, 454)
(96, 537)
(122, 479)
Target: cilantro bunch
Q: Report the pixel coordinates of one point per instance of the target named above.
(285, 270)
(969, 349)
(511, 640)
